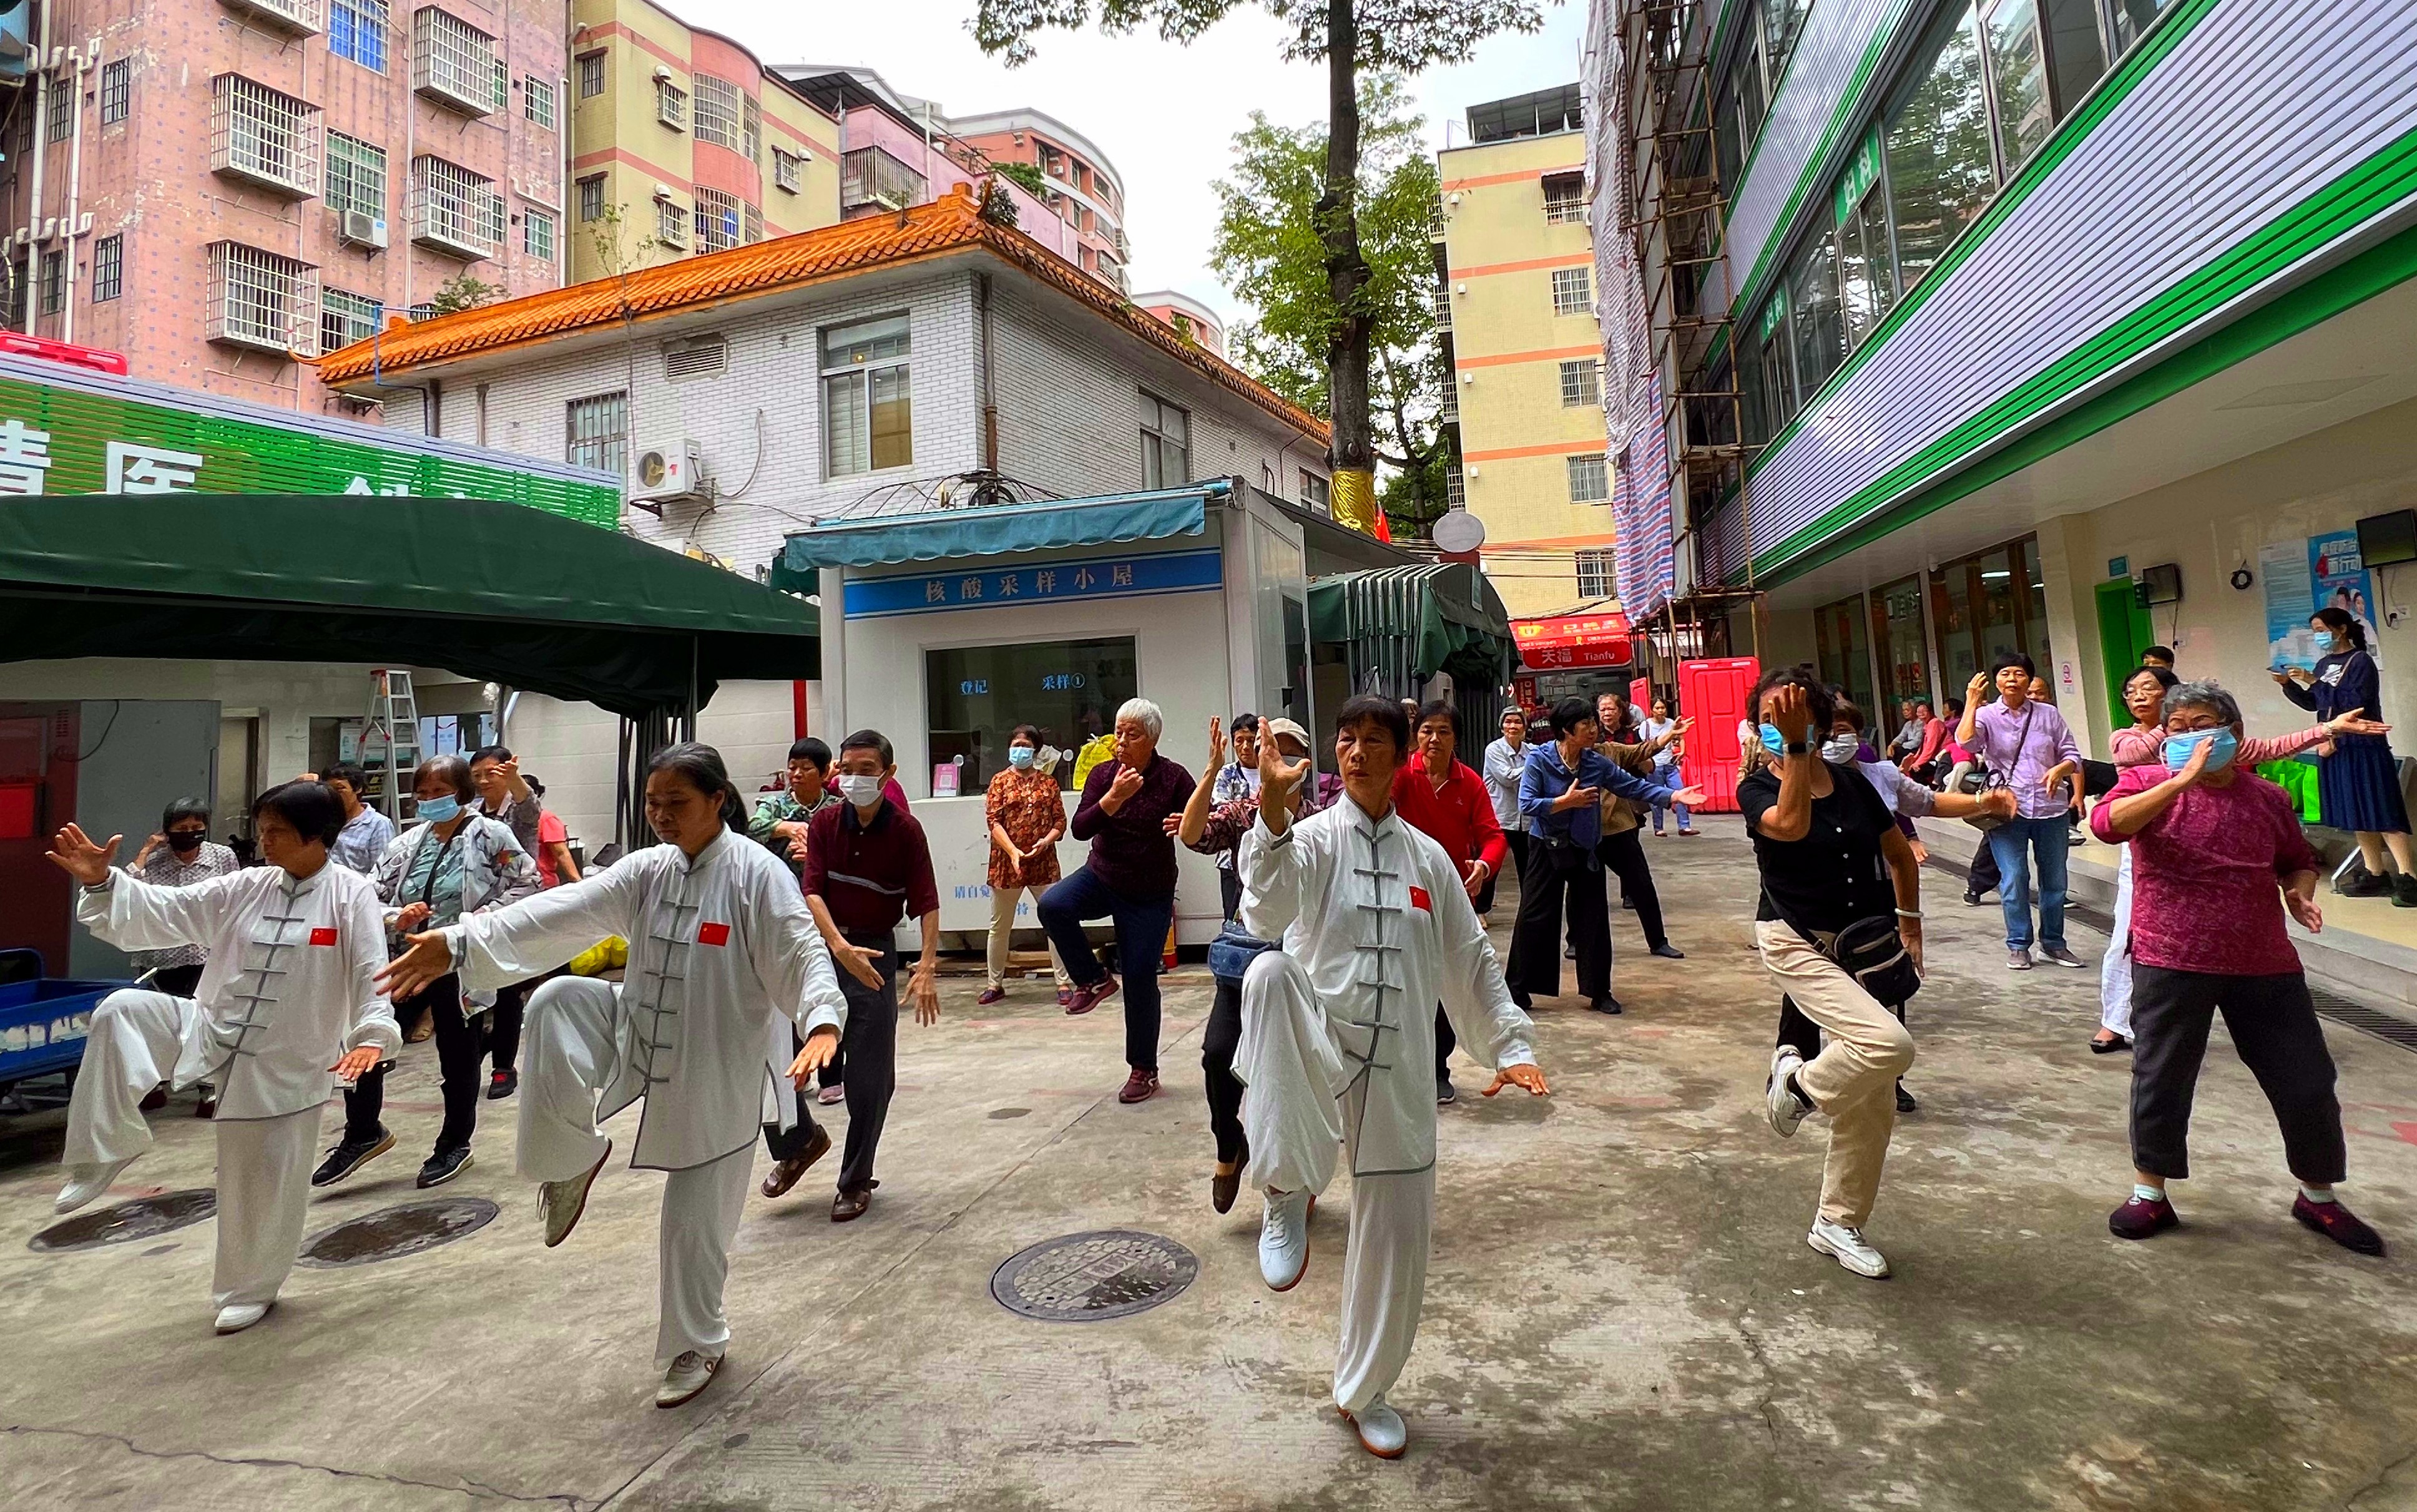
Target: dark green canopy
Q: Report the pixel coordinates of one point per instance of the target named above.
(1405, 624)
(497, 592)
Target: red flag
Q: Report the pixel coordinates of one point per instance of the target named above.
(1420, 900)
(712, 934)
(323, 937)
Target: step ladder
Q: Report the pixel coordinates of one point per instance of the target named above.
(390, 737)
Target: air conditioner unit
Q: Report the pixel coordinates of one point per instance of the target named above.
(673, 473)
(361, 229)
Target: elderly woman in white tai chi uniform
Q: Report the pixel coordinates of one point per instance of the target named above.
(1338, 1038)
(723, 958)
(286, 1004)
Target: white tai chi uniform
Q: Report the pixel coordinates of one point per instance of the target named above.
(1338, 1047)
(724, 958)
(288, 989)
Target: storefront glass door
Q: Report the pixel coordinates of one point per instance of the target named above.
(1905, 656)
(1842, 637)
(1986, 605)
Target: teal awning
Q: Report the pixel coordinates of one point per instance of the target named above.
(938, 534)
(1408, 622)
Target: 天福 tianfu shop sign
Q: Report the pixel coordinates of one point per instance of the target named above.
(63, 431)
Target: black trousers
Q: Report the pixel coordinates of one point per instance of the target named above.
(1518, 858)
(1446, 1042)
(177, 981)
(1229, 888)
(1556, 873)
(1624, 854)
(1217, 1041)
(870, 1042)
(2274, 1030)
(1984, 870)
(788, 1144)
(460, 1045)
(503, 1024)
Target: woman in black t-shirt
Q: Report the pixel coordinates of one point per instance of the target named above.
(1829, 855)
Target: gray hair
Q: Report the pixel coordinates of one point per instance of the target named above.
(1143, 713)
(2206, 693)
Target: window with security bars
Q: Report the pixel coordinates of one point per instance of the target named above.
(868, 395)
(537, 102)
(356, 29)
(1597, 576)
(537, 234)
(1565, 199)
(1572, 290)
(455, 62)
(1589, 480)
(20, 285)
(718, 225)
(355, 176)
(591, 198)
(345, 318)
(54, 280)
(750, 130)
(597, 432)
(671, 223)
(671, 104)
(455, 210)
(716, 111)
(261, 300)
(1455, 488)
(264, 135)
(1581, 383)
(108, 268)
(117, 90)
(61, 114)
(785, 168)
(592, 75)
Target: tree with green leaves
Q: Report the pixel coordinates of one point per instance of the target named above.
(1349, 37)
(1269, 251)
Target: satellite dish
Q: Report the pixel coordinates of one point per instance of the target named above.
(1459, 532)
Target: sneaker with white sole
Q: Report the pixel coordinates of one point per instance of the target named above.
(1283, 1240)
(689, 1375)
(86, 1182)
(560, 1202)
(1382, 1432)
(2018, 961)
(237, 1317)
(1787, 1110)
(1845, 1246)
(2063, 957)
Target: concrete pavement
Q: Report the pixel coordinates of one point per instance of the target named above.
(1622, 1310)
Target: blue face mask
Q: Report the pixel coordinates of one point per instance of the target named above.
(1019, 757)
(2221, 745)
(2324, 638)
(1773, 741)
(438, 811)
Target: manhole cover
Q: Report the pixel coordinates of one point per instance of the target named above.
(138, 1219)
(393, 1232)
(1090, 1277)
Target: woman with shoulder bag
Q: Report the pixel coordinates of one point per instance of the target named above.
(1840, 930)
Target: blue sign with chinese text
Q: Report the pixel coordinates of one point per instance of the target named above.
(1106, 577)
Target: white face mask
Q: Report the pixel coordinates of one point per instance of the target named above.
(863, 791)
(1839, 748)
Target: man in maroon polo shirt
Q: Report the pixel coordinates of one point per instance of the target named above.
(868, 867)
(1443, 798)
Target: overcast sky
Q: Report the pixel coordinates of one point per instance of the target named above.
(1165, 115)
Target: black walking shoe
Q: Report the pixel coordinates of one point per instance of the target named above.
(503, 1084)
(2366, 884)
(1971, 899)
(1669, 952)
(346, 1158)
(444, 1166)
(1904, 1103)
(2404, 890)
(1446, 1093)
(1606, 1003)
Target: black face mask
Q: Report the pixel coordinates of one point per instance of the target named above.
(185, 842)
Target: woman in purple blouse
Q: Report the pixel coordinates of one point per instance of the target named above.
(2021, 740)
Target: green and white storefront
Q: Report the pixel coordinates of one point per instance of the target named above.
(2039, 295)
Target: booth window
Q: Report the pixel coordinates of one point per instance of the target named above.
(977, 694)
(598, 429)
(868, 404)
(1166, 443)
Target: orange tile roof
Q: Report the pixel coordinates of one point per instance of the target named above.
(949, 225)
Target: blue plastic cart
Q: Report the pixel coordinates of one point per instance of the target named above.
(43, 1020)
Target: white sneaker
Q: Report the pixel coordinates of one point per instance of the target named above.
(689, 1374)
(1382, 1432)
(1787, 1110)
(1283, 1240)
(237, 1317)
(560, 1202)
(1845, 1246)
(86, 1182)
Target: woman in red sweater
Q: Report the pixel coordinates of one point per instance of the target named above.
(1444, 799)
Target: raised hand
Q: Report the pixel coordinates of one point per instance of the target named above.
(2195, 770)
(1791, 714)
(1216, 743)
(428, 958)
(1123, 785)
(1280, 780)
(72, 851)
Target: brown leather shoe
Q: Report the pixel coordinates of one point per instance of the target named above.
(784, 1173)
(1223, 1187)
(849, 1206)
(1139, 1087)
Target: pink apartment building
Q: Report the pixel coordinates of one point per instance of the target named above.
(224, 189)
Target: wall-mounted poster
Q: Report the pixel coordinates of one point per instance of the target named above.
(2304, 576)
(2342, 580)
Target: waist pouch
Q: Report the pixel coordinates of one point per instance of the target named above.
(1231, 953)
(1873, 953)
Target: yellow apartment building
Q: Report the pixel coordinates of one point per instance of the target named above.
(1523, 355)
(682, 143)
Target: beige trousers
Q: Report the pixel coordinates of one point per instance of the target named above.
(1853, 1080)
(1002, 924)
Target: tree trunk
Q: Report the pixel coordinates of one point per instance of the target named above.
(1353, 449)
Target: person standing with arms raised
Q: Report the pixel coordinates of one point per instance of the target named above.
(1130, 879)
(2022, 740)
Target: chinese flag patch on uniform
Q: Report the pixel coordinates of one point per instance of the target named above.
(1420, 900)
(712, 934)
(323, 937)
